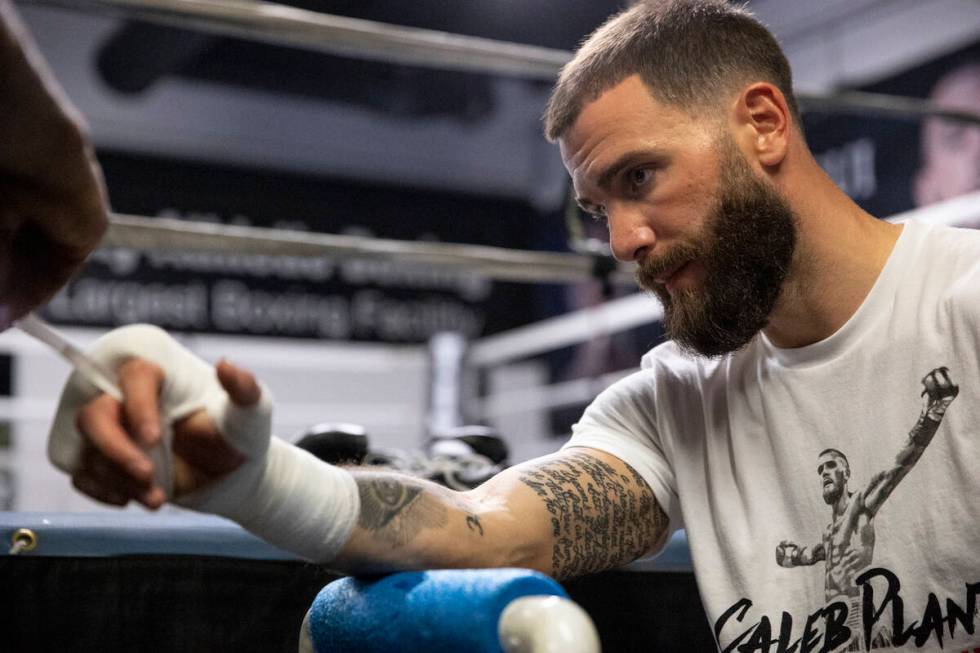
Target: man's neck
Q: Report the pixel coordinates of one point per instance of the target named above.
(840, 506)
(840, 253)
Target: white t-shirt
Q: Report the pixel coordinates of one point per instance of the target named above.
(731, 448)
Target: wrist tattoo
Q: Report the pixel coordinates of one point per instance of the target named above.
(925, 428)
(396, 510)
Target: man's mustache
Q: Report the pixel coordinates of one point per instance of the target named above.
(652, 267)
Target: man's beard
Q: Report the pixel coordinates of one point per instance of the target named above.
(833, 493)
(746, 249)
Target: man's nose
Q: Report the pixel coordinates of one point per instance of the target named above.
(630, 235)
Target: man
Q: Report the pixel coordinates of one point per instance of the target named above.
(848, 540)
(799, 323)
(53, 208)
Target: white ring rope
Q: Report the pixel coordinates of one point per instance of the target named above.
(283, 25)
(962, 211)
(493, 262)
(565, 330)
(887, 106)
(563, 394)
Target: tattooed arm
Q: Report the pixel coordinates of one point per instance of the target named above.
(574, 512)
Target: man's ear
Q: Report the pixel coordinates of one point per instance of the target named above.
(763, 118)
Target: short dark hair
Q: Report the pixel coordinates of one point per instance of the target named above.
(688, 52)
(838, 454)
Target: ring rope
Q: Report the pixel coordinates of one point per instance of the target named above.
(499, 263)
(572, 328)
(284, 25)
(546, 397)
(341, 35)
(887, 106)
(961, 211)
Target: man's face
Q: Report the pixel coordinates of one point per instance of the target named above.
(833, 472)
(713, 240)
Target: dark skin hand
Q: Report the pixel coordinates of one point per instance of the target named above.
(53, 207)
(115, 467)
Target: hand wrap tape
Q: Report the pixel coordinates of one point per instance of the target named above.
(281, 493)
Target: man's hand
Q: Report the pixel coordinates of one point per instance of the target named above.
(53, 207)
(939, 392)
(221, 457)
(115, 467)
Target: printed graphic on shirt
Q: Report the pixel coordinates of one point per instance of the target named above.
(857, 615)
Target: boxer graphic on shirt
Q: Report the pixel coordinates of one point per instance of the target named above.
(848, 540)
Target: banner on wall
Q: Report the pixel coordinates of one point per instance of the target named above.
(890, 165)
(300, 297)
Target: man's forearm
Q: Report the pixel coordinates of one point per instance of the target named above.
(409, 523)
(568, 514)
(883, 484)
(919, 438)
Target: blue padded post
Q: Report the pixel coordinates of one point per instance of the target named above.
(443, 611)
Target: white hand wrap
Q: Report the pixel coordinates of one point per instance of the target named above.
(282, 494)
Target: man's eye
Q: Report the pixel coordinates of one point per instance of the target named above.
(640, 177)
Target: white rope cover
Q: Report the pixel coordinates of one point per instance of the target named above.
(166, 234)
(284, 25)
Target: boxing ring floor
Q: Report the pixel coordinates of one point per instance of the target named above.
(141, 582)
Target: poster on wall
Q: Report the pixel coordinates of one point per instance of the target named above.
(890, 165)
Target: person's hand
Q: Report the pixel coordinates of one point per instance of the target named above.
(215, 425)
(53, 207)
(115, 467)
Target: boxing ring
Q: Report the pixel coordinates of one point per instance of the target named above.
(77, 581)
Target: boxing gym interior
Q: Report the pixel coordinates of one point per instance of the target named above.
(355, 201)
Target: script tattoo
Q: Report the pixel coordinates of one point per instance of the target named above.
(396, 509)
(599, 519)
